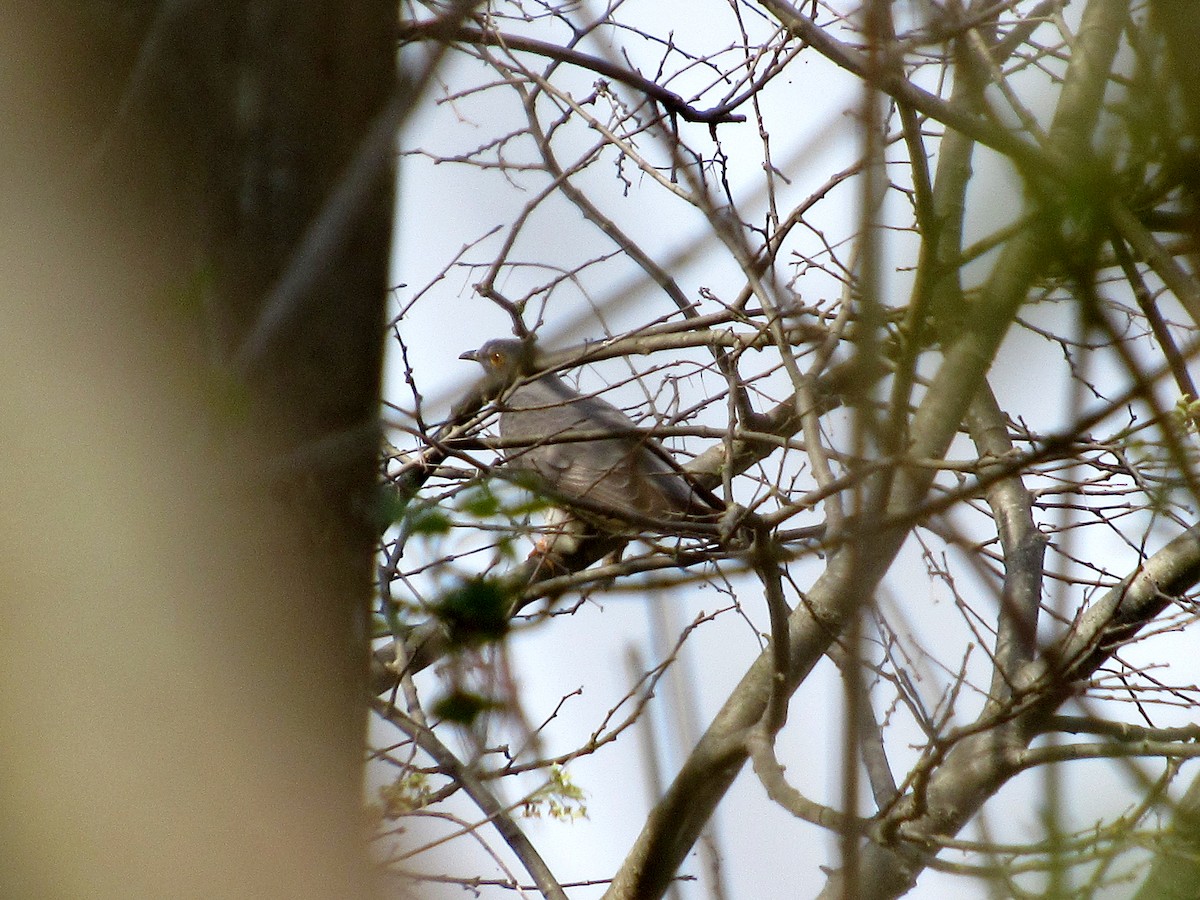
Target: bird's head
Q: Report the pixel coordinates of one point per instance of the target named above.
(504, 360)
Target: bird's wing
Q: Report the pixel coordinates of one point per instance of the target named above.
(656, 475)
(629, 473)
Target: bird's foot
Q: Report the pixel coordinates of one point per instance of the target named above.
(547, 555)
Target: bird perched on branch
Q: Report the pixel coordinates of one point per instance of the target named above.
(584, 450)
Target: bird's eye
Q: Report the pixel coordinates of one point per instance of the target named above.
(497, 358)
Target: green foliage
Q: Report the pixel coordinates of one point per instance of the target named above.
(463, 707)
(424, 518)
(409, 792)
(479, 500)
(533, 498)
(1187, 414)
(482, 500)
(476, 612)
(390, 506)
(559, 798)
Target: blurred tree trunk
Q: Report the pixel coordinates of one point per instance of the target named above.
(196, 688)
(1175, 871)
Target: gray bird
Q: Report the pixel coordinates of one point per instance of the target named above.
(584, 450)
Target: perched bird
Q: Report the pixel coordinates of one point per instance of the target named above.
(584, 450)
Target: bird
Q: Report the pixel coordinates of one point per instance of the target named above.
(582, 450)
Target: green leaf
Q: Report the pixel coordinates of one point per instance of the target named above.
(476, 612)
(390, 506)
(479, 501)
(463, 707)
(427, 519)
(559, 798)
(410, 791)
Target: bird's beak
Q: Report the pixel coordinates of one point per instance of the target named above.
(470, 354)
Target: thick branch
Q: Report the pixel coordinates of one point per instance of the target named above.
(1023, 544)
(895, 85)
(854, 572)
(984, 760)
